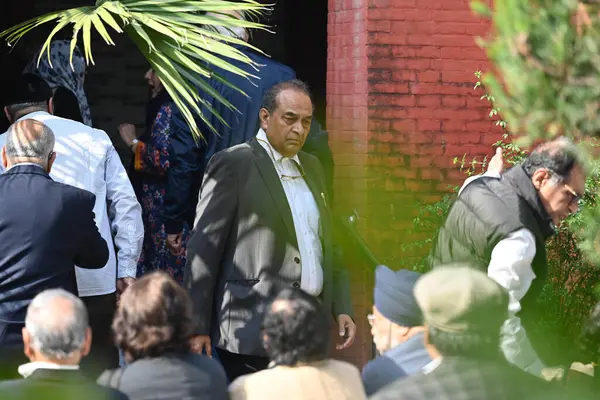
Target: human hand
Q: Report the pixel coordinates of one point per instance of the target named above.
(122, 285)
(175, 243)
(347, 329)
(553, 373)
(201, 342)
(497, 162)
(127, 132)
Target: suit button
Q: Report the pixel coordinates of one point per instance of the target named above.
(296, 260)
(296, 285)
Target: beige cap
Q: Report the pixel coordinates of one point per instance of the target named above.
(461, 299)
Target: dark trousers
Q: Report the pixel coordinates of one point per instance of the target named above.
(104, 354)
(236, 365)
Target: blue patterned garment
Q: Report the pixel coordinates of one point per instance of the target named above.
(62, 74)
(149, 178)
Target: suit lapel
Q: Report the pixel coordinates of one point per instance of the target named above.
(269, 175)
(313, 184)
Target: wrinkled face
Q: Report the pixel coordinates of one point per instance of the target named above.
(381, 331)
(153, 81)
(288, 125)
(560, 199)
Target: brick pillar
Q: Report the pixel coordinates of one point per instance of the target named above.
(400, 107)
(347, 122)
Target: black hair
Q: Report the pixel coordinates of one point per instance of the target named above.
(269, 101)
(295, 329)
(481, 345)
(557, 156)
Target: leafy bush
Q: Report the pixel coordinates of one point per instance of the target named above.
(569, 293)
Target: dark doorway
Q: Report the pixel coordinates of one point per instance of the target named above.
(300, 41)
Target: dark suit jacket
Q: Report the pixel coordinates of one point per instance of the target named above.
(187, 158)
(49, 384)
(170, 377)
(46, 228)
(244, 249)
(458, 378)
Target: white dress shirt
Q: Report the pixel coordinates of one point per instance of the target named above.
(305, 214)
(510, 266)
(87, 159)
(26, 370)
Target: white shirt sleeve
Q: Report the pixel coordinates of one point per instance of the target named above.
(510, 266)
(474, 177)
(125, 215)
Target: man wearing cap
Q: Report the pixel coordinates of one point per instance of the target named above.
(397, 329)
(88, 160)
(463, 310)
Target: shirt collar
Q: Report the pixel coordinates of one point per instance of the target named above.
(33, 115)
(432, 365)
(276, 156)
(26, 163)
(26, 370)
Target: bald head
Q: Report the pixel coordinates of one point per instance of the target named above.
(56, 326)
(28, 141)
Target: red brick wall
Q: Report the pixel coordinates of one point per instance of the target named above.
(401, 106)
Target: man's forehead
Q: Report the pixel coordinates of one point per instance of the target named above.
(293, 99)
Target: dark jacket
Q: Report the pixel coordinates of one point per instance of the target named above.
(487, 211)
(188, 159)
(458, 378)
(244, 248)
(49, 384)
(46, 228)
(170, 377)
(406, 359)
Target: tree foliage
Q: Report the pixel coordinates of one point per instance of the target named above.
(177, 37)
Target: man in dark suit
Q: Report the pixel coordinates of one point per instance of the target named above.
(263, 224)
(463, 311)
(56, 337)
(45, 229)
(188, 159)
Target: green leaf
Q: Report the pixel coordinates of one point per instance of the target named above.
(481, 8)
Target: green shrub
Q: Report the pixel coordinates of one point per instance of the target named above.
(569, 293)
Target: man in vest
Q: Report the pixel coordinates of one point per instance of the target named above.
(501, 224)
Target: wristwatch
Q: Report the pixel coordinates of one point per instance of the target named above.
(133, 143)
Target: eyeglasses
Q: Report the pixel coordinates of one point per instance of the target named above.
(371, 319)
(575, 197)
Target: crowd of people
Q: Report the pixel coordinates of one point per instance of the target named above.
(212, 270)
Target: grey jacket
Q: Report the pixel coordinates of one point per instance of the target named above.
(169, 377)
(244, 250)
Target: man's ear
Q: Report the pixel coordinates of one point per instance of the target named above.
(264, 116)
(4, 158)
(540, 177)
(27, 350)
(8, 115)
(87, 344)
(51, 105)
(51, 161)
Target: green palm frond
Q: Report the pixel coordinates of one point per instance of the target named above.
(176, 36)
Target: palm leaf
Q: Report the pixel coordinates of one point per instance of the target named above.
(176, 37)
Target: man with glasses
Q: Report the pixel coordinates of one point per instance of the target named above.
(500, 225)
(263, 224)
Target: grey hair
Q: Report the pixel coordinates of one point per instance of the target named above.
(39, 146)
(54, 333)
(238, 32)
(15, 109)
